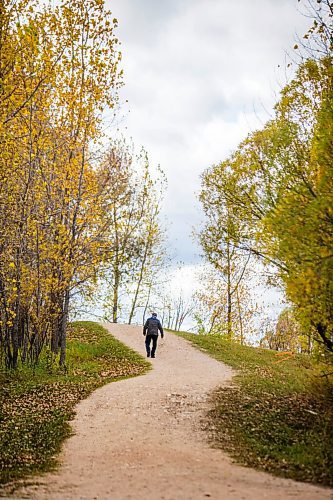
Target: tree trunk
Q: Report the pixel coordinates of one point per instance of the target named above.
(55, 332)
(8, 350)
(15, 348)
(146, 304)
(229, 294)
(138, 286)
(240, 318)
(63, 330)
(25, 328)
(322, 330)
(115, 303)
(214, 317)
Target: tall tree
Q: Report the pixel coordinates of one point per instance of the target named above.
(279, 187)
(231, 264)
(135, 234)
(151, 241)
(58, 72)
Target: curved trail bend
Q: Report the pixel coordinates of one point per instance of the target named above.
(140, 438)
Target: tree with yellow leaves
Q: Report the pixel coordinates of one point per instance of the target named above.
(278, 187)
(59, 70)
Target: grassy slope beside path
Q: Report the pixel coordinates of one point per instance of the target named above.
(278, 416)
(35, 408)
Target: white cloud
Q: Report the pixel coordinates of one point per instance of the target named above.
(200, 75)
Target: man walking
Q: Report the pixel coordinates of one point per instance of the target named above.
(150, 330)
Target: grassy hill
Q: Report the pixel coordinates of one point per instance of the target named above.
(278, 415)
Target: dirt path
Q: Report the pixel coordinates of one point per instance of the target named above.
(140, 438)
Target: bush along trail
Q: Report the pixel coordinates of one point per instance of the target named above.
(37, 404)
(278, 416)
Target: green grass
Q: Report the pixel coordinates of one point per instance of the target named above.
(37, 406)
(277, 416)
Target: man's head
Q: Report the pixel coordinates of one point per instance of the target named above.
(154, 315)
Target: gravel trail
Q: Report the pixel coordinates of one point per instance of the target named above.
(140, 438)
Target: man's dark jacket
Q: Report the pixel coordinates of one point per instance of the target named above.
(152, 326)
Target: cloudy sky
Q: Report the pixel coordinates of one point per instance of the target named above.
(199, 75)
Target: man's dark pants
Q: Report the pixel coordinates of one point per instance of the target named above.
(150, 338)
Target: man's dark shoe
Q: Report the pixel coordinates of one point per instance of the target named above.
(148, 355)
(152, 356)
